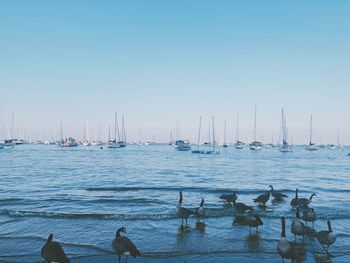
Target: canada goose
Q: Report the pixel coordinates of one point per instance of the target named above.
(201, 211)
(309, 216)
(123, 245)
(182, 212)
(298, 228)
(241, 208)
(326, 237)
(53, 252)
(285, 248)
(262, 199)
(294, 201)
(304, 202)
(277, 195)
(230, 198)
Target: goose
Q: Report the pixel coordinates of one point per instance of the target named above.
(262, 199)
(277, 195)
(182, 212)
(309, 216)
(294, 201)
(285, 248)
(123, 245)
(230, 198)
(53, 252)
(200, 210)
(298, 228)
(326, 237)
(304, 202)
(241, 208)
(249, 220)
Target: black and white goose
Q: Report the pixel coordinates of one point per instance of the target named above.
(230, 198)
(304, 202)
(326, 237)
(241, 208)
(123, 245)
(298, 228)
(182, 212)
(262, 199)
(285, 248)
(276, 194)
(294, 201)
(200, 212)
(53, 252)
(309, 216)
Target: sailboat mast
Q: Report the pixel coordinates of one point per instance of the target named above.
(109, 132)
(255, 124)
(61, 131)
(116, 128)
(237, 136)
(225, 133)
(213, 133)
(311, 129)
(199, 132)
(12, 125)
(123, 130)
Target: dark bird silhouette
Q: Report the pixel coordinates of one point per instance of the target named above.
(200, 212)
(304, 202)
(298, 228)
(182, 212)
(285, 248)
(276, 194)
(123, 245)
(294, 201)
(309, 216)
(262, 199)
(230, 198)
(241, 208)
(326, 237)
(53, 252)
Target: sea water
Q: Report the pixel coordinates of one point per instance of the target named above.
(84, 194)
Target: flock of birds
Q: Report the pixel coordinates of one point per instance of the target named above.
(245, 215)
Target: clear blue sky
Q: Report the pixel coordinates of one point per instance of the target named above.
(160, 62)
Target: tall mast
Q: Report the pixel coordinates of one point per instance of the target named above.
(12, 124)
(109, 132)
(84, 134)
(311, 129)
(99, 132)
(237, 136)
(61, 131)
(123, 130)
(199, 132)
(225, 133)
(255, 124)
(116, 127)
(213, 133)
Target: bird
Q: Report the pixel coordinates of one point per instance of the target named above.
(285, 248)
(200, 210)
(182, 212)
(52, 251)
(294, 201)
(304, 202)
(277, 195)
(262, 199)
(241, 208)
(123, 245)
(230, 198)
(298, 228)
(253, 221)
(326, 237)
(309, 216)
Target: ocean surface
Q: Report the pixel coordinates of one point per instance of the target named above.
(84, 194)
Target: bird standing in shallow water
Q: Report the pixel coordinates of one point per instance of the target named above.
(298, 228)
(285, 248)
(277, 195)
(304, 202)
(123, 245)
(294, 201)
(262, 199)
(201, 211)
(230, 198)
(309, 216)
(182, 212)
(53, 252)
(326, 237)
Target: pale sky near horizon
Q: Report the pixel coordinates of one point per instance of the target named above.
(163, 62)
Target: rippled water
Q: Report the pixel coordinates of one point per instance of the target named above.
(83, 195)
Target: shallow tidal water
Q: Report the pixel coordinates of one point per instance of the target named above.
(84, 194)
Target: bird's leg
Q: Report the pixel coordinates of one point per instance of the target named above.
(186, 221)
(119, 258)
(182, 221)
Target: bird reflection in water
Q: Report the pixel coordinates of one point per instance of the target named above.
(253, 242)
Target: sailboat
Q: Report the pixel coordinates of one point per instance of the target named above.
(98, 142)
(225, 145)
(285, 147)
(312, 146)
(238, 144)
(255, 145)
(335, 146)
(86, 135)
(198, 142)
(67, 142)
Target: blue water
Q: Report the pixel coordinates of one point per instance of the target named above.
(83, 195)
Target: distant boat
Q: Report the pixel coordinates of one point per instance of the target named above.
(69, 142)
(285, 147)
(182, 145)
(255, 145)
(225, 145)
(121, 143)
(238, 144)
(199, 136)
(86, 136)
(335, 146)
(312, 146)
(9, 142)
